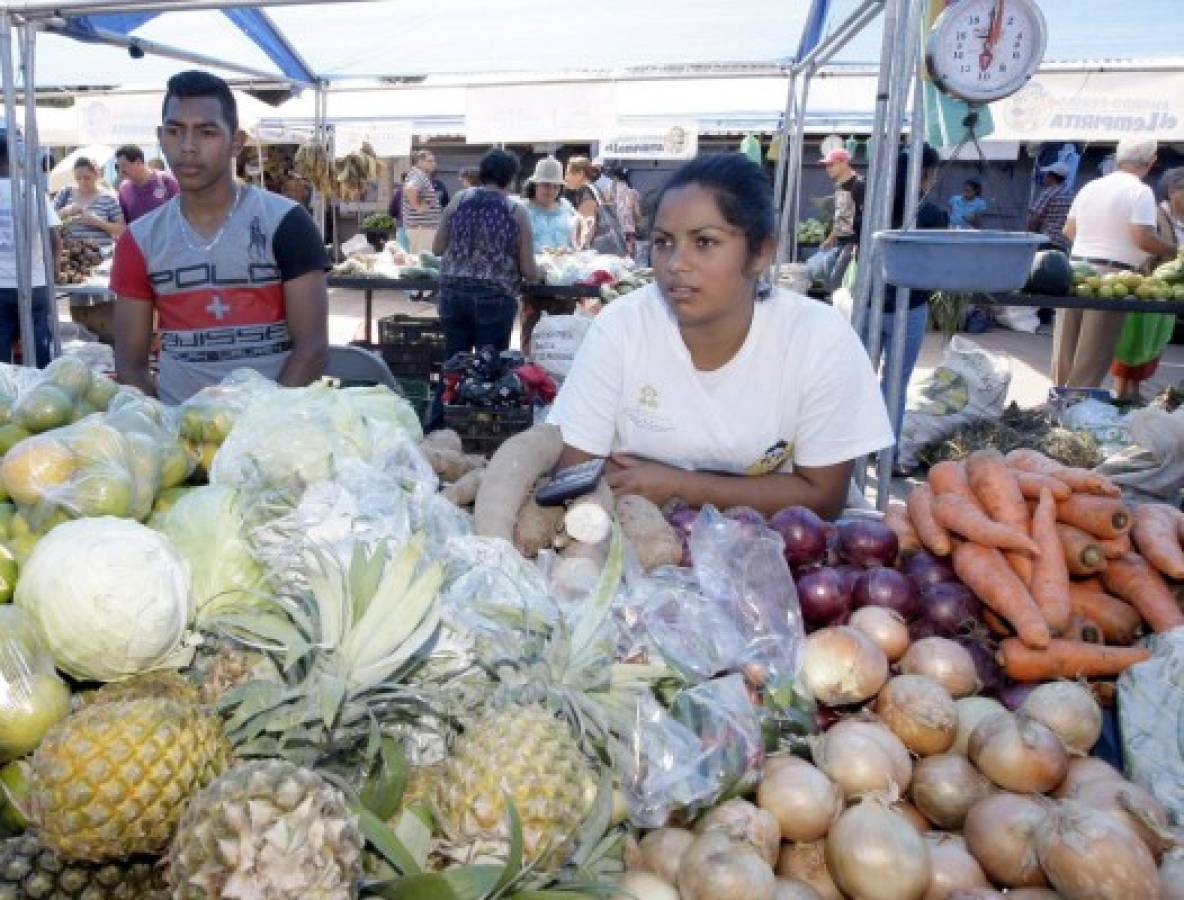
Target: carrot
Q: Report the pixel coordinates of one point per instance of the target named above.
(920, 506)
(955, 513)
(1050, 575)
(1083, 480)
(985, 572)
(1157, 534)
(949, 477)
(996, 488)
(1091, 582)
(1113, 548)
(1066, 659)
(1021, 564)
(1133, 580)
(1103, 517)
(897, 518)
(1082, 629)
(1082, 554)
(1031, 483)
(1119, 622)
(995, 624)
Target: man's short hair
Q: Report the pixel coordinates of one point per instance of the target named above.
(1136, 152)
(196, 83)
(421, 155)
(131, 153)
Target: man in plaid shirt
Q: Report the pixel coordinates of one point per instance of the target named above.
(1051, 207)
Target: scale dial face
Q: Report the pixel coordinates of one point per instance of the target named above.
(985, 50)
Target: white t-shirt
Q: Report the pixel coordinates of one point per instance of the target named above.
(8, 240)
(1104, 209)
(800, 391)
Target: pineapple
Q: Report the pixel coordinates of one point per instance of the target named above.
(30, 871)
(111, 780)
(221, 666)
(529, 755)
(267, 830)
(165, 685)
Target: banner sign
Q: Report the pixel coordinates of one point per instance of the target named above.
(675, 141)
(537, 113)
(386, 138)
(118, 120)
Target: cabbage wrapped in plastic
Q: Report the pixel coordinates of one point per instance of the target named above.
(32, 696)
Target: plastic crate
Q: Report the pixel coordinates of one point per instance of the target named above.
(412, 346)
(484, 430)
(417, 392)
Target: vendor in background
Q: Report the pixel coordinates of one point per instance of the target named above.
(628, 205)
(967, 208)
(142, 189)
(699, 388)
(847, 225)
(1145, 335)
(929, 215)
(487, 252)
(1051, 207)
(598, 228)
(1112, 224)
(88, 210)
(420, 202)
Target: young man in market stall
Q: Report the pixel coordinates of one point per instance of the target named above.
(234, 274)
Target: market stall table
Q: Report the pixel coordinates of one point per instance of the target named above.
(92, 305)
(1099, 303)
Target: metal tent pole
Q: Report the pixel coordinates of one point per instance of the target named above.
(797, 152)
(20, 221)
(36, 182)
(780, 180)
(42, 8)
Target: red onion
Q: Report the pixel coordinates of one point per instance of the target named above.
(849, 574)
(683, 519)
(804, 534)
(745, 514)
(822, 597)
(950, 606)
(926, 570)
(989, 673)
(1014, 693)
(886, 587)
(867, 542)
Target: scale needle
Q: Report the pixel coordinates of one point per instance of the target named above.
(988, 54)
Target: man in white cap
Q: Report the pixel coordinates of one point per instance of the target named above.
(1051, 206)
(1112, 226)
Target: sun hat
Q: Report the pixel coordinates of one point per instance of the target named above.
(836, 155)
(548, 171)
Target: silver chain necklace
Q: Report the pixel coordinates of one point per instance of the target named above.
(187, 229)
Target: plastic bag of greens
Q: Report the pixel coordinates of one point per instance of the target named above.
(32, 696)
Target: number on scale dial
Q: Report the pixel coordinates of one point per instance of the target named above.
(984, 50)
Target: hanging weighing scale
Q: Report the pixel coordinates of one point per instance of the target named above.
(984, 50)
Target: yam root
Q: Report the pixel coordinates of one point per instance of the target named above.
(511, 476)
(1066, 659)
(957, 514)
(1082, 480)
(654, 539)
(985, 571)
(1083, 556)
(589, 519)
(1119, 622)
(450, 465)
(1103, 517)
(920, 506)
(897, 518)
(1157, 532)
(536, 526)
(1132, 579)
(463, 491)
(443, 439)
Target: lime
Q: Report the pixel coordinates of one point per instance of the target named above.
(1106, 292)
(45, 407)
(1084, 290)
(10, 436)
(71, 374)
(102, 389)
(14, 793)
(23, 725)
(102, 491)
(7, 573)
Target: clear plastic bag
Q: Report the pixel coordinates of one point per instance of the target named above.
(729, 731)
(32, 696)
(491, 587)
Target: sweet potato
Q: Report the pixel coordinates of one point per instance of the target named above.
(920, 506)
(1157, 534)
(1103, 517)
(985, 571)
(510, 477)
(654, 539)
(1132, 579)
(463, 491)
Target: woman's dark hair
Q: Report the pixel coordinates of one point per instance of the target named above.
(470, 174)
(742, 192)
(976, 186)
(195, 83)
(622, 174)
(84, 162)
(498, 167)
(929, 162)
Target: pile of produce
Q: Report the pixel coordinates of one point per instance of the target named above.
(355, 172)
(811, 231)
(1017, 428)
(561, 268)
(79, 259)
(392, 263)
(319, 675)
(631, 281)
(312, 163)
(1165, 283)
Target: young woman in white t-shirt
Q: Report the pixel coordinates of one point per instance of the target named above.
(696, 387)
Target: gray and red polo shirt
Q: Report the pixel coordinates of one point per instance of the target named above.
(221, 309)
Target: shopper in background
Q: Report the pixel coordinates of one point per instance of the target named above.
(967, 208)
(1111, 224)
(421, 204)
(470, 176)
(628, 204)
(1051, 207)
(1145, 335)
(442, 193)
(601, 177)
(89, 211)
(843, 241)
(487, 252)
(929, 215)
(10, 328)
(552, 218)
(598, 225)
(142, 189)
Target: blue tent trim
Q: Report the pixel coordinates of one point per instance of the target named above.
(814, 29)
(252, 22)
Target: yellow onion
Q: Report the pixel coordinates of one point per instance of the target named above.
(946, 662)
(912, 815)
(954, 869)
(1070, 710)
(660, 852)
(715, 867)
(971, 711)
(807, 863)
(1000, 833)
(742, 821)
(874, 855)
(644, 886)
(1083, 769)
(843, 665)
(1090, 855)
(1030, 893)
(920, 712)
(1131, 804)
(792, 889)
(886, 627)
(863, 757)
(803, 800)
(1018, 753)
(945, 787)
